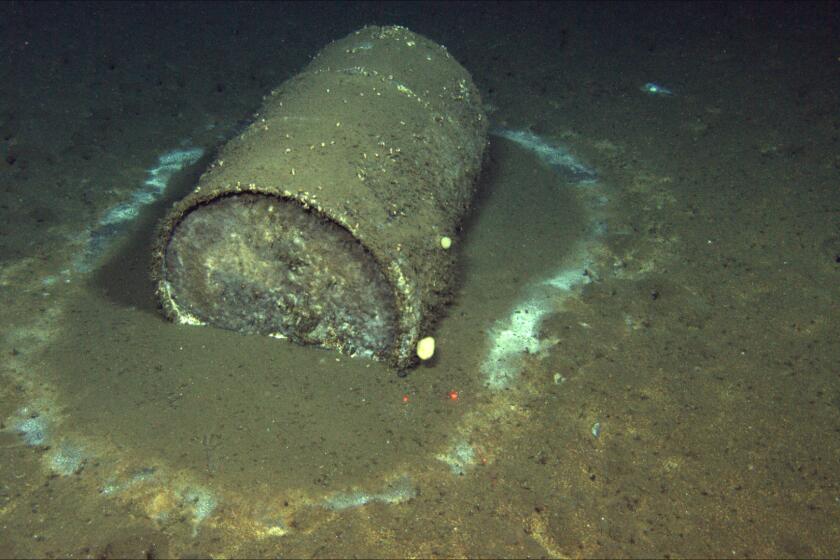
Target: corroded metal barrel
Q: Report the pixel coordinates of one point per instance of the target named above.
(322, 222)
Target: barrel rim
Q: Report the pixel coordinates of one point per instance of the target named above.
(402, 287)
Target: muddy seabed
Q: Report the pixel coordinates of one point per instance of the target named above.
(674, 383)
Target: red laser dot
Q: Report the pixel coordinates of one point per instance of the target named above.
(453, 395)
(405, 398)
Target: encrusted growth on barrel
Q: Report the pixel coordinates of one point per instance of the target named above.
(322, 220)
(259, 264)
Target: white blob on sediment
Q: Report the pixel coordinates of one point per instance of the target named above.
(426, 348)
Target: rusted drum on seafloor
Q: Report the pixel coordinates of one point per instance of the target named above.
(323, 221)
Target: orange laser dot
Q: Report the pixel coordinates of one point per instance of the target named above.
(405, 398)
(453, 395)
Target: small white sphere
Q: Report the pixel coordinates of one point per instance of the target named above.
(445, 242)
(426, 348)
